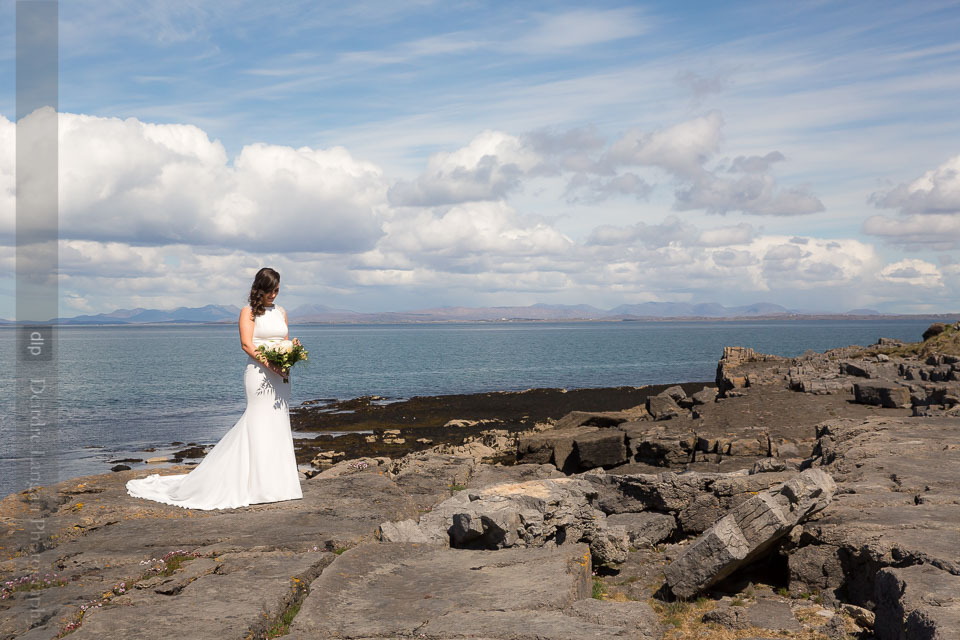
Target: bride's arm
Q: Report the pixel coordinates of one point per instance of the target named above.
(246, 338)
(286, 323)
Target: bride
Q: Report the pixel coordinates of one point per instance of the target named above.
(254, 462)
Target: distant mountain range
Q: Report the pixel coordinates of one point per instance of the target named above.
(316, 313)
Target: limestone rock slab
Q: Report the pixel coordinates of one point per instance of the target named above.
(920, 601)
(645, 528)
(897, 504)
(389, 590)
(227, 603)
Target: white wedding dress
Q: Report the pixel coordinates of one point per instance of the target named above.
(254, 462)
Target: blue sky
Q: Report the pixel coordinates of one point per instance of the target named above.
(391, 155)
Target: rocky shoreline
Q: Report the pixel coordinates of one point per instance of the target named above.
(814, 497)
(377, 426)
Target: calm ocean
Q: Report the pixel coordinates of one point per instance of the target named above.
(124, 388)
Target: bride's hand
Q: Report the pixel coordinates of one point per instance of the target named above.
(269, 365)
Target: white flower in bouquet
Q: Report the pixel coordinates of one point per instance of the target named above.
(284, 346)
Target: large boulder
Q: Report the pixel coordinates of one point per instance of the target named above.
(865, 369)
(554, 447)
(706, 395)
(883, 394)
(676, 392)
(663, 447)
(748, 531)
(603, 448)
(536, 513)
(635, 432)
(574, 449)
(696, 500)
(646, 528)
(663, 407)
(815, 568)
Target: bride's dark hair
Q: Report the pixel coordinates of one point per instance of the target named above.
(264, 282)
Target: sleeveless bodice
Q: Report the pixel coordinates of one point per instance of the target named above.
(270, 327)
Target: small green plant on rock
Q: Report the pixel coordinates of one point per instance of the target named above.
(672, 613)
(598, 589)
(457, 487)
(282, 626)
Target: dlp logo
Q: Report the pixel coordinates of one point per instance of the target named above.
(35, 343)
(35, 347)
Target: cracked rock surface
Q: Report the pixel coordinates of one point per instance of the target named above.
(402, 589)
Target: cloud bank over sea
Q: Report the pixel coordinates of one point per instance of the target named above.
(400, 157)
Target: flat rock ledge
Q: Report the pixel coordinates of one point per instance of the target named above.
(890, 541)
(416, 590)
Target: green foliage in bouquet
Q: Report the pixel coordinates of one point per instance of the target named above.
(284, 354)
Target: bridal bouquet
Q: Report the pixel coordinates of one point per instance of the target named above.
(284, 354)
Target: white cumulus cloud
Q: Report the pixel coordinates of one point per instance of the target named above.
(936, 191)
(929, 210)
(684, 150)
(681, 149)
(938, 232)
(913, 272)
(488, 168)
(477, 229)
(154, 184)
